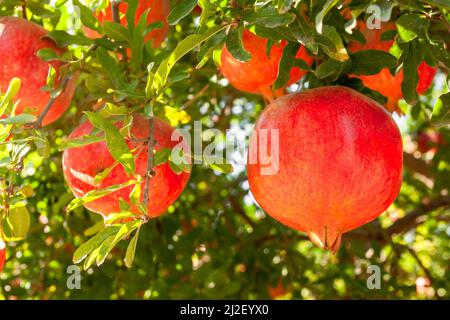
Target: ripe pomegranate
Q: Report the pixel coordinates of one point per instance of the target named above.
(20, 40)
(82, 164)
(383, 82)
(429, 141)
(259, 73)
(339, 163)
(159, 10)
(2, 254)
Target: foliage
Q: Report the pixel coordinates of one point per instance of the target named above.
(215, 242)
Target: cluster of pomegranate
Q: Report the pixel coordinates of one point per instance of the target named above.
(339, 164)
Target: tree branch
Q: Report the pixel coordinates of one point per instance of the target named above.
(50, 102)
(416, 165)
(149, 171)
(415, 217)
(115, 10)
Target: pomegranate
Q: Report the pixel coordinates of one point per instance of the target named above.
(429, 141)
(259, 73)
(339, 164)
(384, 82)
(278, 291)
(82, 164)
(159, 10)
(20, 40)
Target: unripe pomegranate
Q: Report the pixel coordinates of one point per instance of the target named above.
(159, 10)
(259, 73)
(339, 164)
(429, 141)
(384, 82)
(20, 40)
(82, 164)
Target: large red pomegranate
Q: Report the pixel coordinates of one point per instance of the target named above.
(20, 40)
(384, 82)
(82, 164)
(159, 10)
(339, 163)
(259, 73)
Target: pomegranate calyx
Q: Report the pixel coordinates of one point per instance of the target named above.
(328, 239)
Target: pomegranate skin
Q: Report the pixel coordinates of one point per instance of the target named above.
(2, 254)
(339, 165)
(259, 73)
(82, 164)
(384, 82)
(20, 40)
(159, 10)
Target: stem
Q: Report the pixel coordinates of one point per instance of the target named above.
(151, 143)
(115, 10)
(24, 10)
(38, 122)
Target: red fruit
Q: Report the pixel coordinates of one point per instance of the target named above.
(259, 73)
(2, 254)
(279, 290)
(383, 82)
(429, 141)
(20, 40)
(82, 164)
(339, 164)
(159, 10)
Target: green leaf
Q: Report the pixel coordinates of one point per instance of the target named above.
(114, 141)
(161, 156)
(23, 118)
(137, 45)
(185, 46)
(369, 62)
(110, 66)
(93, 243)
(218, 164)
(286, 63)
(441, 111)
(86, 16)
(330, 36)
(235, 45)
(17, 223)
(63, 39)
(96, 194)
(131, 14)
(268, 17)
(329, 68)
(131, 250)
(411, 60)
(321, 15)
(79, 142)
(116, 31)
(411, 26)
(180, 11)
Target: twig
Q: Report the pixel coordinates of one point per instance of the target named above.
(115, 10)
(38, 122)
(196, 96)
(149, 172)
(24, 10)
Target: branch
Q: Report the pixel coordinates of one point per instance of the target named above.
(115, 10)
(50, 102)
(415, 217)
(149, 172)
(416, 165)
(24, 10)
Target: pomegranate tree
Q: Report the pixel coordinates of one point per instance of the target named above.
(159, 10)
(339, 164)
(259, 73)
(20, 40)
(82, 164)
(384, 82)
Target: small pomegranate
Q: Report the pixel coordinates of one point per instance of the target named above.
(259, 73)
(429, 141)
(20, 40)
(82, 164)
(159, 10)
(339, 162)
(384, 82)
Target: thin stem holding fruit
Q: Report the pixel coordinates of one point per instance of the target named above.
(151, 143)
(50, 102)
